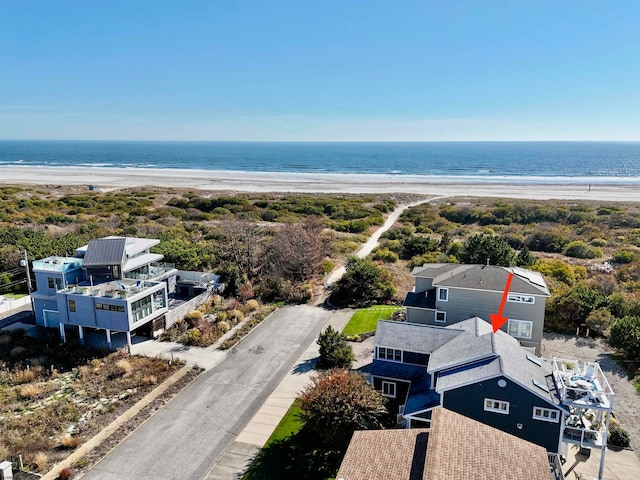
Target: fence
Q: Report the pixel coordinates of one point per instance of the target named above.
(172, 316)
(6, 305)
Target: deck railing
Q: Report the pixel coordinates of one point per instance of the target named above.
(555, 466)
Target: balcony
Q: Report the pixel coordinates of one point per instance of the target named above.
(119, 289)
(150, 272)
(57, 264)
(585, 437)
(583, 387)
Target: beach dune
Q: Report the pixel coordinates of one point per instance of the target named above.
(112, 178)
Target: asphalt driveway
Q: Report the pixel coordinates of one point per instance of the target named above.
(186, 437)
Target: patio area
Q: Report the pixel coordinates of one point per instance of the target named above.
(619, 465)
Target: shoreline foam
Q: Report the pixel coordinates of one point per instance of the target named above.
(584, 188)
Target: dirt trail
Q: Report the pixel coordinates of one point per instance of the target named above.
(374, 239)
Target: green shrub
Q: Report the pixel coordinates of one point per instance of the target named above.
(385, 255)
(334, 350)
(624, 256)
(625, 336)
(598, 242)
(580, 249)
(619, 437)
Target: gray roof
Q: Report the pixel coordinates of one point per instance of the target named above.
(105, 251)
(471, 359)
(412, 337)
(474, 344)
(484, 277)
(474, 373)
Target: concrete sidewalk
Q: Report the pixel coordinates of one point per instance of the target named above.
(241, 452)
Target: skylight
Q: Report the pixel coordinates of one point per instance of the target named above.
(535, 360)
(541, 386)
(533, 277)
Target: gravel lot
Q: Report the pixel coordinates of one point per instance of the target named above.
(626, 405)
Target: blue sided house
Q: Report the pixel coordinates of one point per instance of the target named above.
(113, 284)
(490, 378)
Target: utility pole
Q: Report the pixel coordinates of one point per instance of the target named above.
(25, 263)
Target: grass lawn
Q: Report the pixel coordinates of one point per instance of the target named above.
(292, 453)
(289, 425)
(366, 319)
(13, 296)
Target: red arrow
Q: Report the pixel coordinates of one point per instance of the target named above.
(497, 320)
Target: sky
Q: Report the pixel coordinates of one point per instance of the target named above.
(312, 70)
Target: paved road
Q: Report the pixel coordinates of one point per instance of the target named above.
(185, 438)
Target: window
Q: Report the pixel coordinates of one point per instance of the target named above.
(520, 328)
(50, 282)
(72, 305)
(390, 354)
(546, 414)
(441, 316)
(497, 406)
(106, 306)
(521, 298)
(389, 389)
(443, 294)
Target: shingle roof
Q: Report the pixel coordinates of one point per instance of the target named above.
(105, 251)
(484, 277)
(475, 358)
(475, 343)
(412, 337)
(461, 448)
(454, 448)
(385, 454)
(401, 371)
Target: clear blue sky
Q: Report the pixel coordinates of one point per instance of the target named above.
(320, 70)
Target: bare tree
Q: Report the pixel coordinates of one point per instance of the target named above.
(297, 250)
(243, 246)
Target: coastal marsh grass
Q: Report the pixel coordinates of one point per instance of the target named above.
(63, 404)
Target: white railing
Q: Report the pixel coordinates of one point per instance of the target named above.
(583, 436)
(555, 466)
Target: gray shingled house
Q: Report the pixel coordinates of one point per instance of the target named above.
(446, 293)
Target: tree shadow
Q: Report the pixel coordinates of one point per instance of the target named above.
(296, 457)
(305, 366)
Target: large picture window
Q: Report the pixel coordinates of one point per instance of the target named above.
(496, 406)
(520, 328)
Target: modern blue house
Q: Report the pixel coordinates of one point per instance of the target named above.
(114, 284)
(490, 378)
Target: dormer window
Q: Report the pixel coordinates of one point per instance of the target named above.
(443, 294)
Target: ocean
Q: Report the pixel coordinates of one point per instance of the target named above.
(597, 162)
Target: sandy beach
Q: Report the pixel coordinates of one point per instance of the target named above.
(217, 180)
